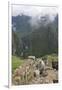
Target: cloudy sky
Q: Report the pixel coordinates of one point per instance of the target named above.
(33, 10)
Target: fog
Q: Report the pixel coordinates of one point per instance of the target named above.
(35, 12)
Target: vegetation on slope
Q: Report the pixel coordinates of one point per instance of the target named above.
(16, 62)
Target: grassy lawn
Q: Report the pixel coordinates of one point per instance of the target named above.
(16, 62)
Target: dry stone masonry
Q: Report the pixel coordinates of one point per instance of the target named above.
(34, 71)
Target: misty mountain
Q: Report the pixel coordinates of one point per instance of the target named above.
(21, 25)
(39, 39)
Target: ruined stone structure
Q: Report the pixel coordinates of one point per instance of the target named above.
(24, 73)
(34, 72)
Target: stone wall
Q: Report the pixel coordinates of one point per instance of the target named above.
(24, 73)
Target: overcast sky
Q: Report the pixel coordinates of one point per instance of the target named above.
(33, 10)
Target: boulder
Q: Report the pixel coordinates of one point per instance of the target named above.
(36, 73)
(40, 65)
(32, 57)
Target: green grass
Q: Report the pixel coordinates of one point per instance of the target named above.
(51, 57)
(16, 62)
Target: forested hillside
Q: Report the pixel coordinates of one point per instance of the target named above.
(34, 40)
